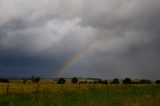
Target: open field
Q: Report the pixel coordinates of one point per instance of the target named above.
(51, 94)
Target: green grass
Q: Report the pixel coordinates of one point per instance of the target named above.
(94, 95)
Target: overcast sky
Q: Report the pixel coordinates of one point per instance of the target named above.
(117, 38)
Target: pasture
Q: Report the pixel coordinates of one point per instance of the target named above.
(49, 93)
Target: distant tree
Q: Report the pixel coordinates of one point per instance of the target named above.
(157, 82)
(61, 81)
(83, 82)
(105, 82)
(115, 81)
(99, 81)
(24, 81)
(127, 81)
(4, 81)
(135, 82)
(74, 80)
(35, 79)
(145, 81)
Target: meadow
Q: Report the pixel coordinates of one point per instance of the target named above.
(48, 93)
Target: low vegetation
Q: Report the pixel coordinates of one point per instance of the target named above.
(62, 92)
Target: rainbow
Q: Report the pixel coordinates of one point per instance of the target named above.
(77, 56)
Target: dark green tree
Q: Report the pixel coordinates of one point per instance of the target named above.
(99, 81)
(74, 80)
(157, 82)
(145, 81)
(127, 81)
(4, 81)
(105, 82)
(61, 81)
(115, 81)
(24, 81)
(37, 79)
(33, 79)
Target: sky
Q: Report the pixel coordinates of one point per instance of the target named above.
(83, 38)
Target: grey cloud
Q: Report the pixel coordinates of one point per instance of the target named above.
(47, 32)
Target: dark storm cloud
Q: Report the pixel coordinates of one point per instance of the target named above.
(43, 36)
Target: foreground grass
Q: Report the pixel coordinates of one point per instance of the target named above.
(87, 95)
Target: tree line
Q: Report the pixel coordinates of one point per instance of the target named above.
(74, 80)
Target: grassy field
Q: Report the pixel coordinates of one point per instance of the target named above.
(52, 94)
